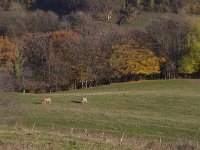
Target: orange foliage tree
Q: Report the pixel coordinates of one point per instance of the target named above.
(8, 53)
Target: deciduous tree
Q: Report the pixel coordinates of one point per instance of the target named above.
(168, 39)
(8, 53)
(128, 60)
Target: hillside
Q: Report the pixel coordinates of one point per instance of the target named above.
(146, 109)
(136, 62)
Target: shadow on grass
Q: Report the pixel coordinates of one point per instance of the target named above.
(78, 102)
(36, 102)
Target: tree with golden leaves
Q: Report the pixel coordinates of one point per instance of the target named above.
(127, 60)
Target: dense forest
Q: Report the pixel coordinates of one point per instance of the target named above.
(51, 45)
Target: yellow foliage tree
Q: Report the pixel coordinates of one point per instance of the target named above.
(128, 60)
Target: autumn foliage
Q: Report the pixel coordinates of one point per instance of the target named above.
(53, 45)
(128, 60)
(8, 52)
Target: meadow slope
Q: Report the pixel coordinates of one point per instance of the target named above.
(147, 109)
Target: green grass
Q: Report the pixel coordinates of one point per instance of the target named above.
(145, 18)
(22, 139)
(150, 109)
(141, 21)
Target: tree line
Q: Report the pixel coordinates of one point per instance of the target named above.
(97, 7)
(41, 51)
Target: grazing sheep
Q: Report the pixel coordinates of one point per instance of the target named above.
(84, 100)
(46, 101)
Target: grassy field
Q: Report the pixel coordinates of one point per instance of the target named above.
(145, 109)
(142, 20)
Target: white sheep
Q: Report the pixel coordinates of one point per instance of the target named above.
(84, 100)
(46, 101)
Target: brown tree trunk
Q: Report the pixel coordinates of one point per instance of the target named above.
(75, 85)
